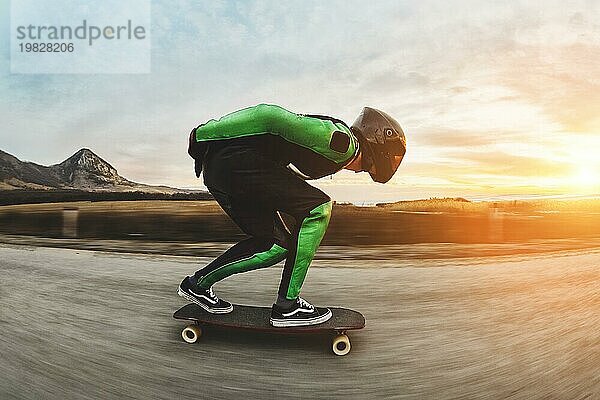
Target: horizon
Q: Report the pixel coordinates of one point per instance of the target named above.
(496, 100)
(373, 201)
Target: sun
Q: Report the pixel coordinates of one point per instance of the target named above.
(586, 176)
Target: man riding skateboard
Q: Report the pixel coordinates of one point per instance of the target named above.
(247, 158)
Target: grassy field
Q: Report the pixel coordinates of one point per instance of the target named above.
(454, 205)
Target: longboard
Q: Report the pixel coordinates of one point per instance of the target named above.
(257, 319)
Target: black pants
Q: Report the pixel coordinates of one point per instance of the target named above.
(255, 191)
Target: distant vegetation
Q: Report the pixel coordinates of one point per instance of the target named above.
(8, 197)
(434, 204)
(581, 205)
(460, 205)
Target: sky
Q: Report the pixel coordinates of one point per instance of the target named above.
(495, 98)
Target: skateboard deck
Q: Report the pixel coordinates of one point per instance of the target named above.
(257, 319)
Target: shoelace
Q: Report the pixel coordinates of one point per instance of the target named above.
(304, 303)
(212, 294)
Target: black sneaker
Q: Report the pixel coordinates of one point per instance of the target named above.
(301, 313)
(205, 298)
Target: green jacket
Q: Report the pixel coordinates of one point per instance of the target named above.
(315, 145)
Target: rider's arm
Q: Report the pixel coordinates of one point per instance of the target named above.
(328, 137)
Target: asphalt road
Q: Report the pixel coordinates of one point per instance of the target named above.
(83, 324)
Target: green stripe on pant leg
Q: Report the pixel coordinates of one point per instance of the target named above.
(311, 233)
(259, 260)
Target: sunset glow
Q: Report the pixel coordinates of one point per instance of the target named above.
(495, 98)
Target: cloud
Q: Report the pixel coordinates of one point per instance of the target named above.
(505, 164)
(499, 79)
(550, 59)
(448, 137)
(563, 80)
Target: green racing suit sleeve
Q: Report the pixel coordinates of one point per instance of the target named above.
(310, 132)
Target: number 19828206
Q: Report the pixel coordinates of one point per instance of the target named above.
(46, 47)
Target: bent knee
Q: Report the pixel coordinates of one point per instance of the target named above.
(271, 247)
(261, 244)
(322, 211)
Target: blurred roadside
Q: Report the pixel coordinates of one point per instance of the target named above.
(435, 228)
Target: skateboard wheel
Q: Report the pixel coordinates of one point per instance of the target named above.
(191, 333)
(341, 345)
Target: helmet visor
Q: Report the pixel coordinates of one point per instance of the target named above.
(383, 171)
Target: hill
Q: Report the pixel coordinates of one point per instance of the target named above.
(84, 171)
(84, 176)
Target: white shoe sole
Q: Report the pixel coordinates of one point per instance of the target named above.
(204, 306)
(282, 323)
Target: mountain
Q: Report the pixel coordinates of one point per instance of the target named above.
(15, 173)
(84, 170)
